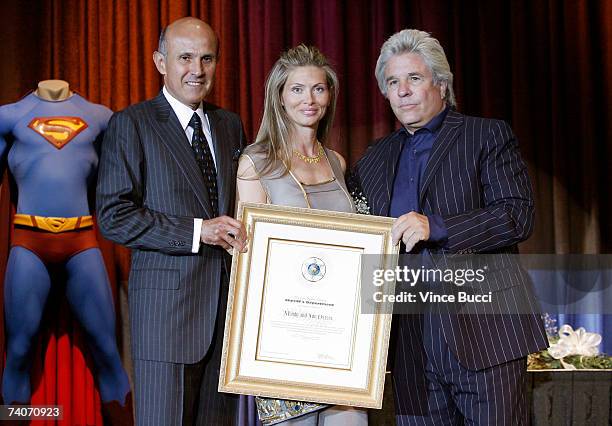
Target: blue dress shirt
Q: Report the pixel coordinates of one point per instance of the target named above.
(411, 166)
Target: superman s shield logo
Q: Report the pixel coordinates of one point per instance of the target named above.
(58, 131)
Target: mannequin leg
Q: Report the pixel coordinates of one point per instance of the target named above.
(90, 297)
(26, 288)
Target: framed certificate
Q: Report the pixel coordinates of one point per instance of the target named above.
(294, 327)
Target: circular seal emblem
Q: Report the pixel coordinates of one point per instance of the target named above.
(313, 269)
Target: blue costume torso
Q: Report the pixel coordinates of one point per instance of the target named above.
(49, 180)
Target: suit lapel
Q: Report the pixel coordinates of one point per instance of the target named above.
(444, 141)
(223, 158)
(173, 137)
(391, 158)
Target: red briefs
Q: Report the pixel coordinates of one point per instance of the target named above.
(54, 248)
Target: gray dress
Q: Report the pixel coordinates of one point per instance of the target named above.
(287, 190)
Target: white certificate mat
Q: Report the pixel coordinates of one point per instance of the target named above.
(310, 308)
(294, 327)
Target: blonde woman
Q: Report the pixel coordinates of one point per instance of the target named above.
(289, 164)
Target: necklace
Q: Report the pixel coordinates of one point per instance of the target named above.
(310, 160)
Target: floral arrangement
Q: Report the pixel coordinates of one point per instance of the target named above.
(569, 349)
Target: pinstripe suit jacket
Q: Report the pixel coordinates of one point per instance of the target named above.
(149, 190)
(476, 180)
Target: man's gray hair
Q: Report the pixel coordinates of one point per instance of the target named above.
(422, 43)
(162, 46)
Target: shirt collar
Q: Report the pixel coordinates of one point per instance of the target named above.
(182, 111)
(434, 124)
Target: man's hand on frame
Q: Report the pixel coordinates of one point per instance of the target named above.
(224, 231)
(410, 228)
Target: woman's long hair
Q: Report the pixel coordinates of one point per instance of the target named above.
(273, 135)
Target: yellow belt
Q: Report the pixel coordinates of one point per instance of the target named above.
(53, 224)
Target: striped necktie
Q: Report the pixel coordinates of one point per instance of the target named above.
(204, 159)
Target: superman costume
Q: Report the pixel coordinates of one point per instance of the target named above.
(52, 153)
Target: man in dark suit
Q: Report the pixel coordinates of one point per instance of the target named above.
(456, 184)
(166, 185)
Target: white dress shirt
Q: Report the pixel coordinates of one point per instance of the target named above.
(184, 114)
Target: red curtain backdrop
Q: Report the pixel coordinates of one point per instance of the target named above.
(542, 65)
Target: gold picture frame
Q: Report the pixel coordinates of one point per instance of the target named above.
(294, 328)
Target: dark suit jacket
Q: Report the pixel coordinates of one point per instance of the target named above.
(476, 180)
(149, 191)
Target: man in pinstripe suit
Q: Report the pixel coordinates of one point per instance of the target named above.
(166, 184)
(456, 184)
